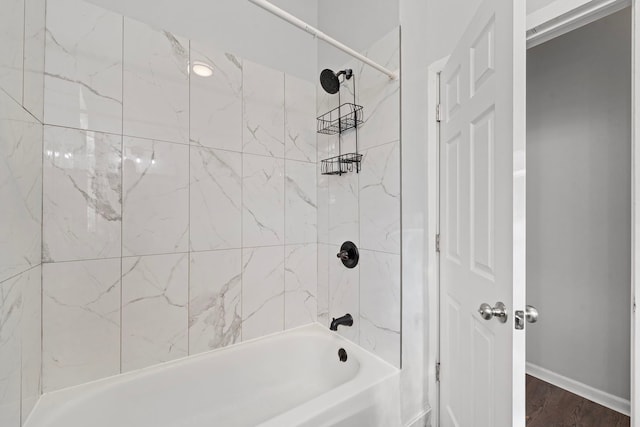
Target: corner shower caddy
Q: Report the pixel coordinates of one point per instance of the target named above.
(342, 118)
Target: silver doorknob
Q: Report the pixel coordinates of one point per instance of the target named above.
(531, 314)
(499, 311)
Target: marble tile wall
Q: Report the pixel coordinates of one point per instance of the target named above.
(12, 48)
(180, 212)
(80, 321)
(21, 132)
(83, 69)
(365, 208)
(20, 247)
(19, 346)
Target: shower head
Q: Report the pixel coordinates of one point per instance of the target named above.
(330, 81)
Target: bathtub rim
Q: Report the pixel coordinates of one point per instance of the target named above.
(317, 327)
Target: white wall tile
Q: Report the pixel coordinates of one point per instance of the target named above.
(347, 140)
(325, 143)
(324, 101)
(262, 291)
(301, 285)
(343, 208)
(34, 52)
(83, 70)
(154, 309)
(380, 199)
(216, 199)
(380, 96)
(322, 211)
(323, 283)
(262, 201)
(380, 304)
(344, 290)
(10, 343)
(156, 83)
(215, 306)
(301, 207)
(31, 330)
(216, 101)
(20, 189)
(201, 168)
(11, 47)
(263, 104)
(300, 119)
(81, 322)
(364, 207)
(155, 180)
(82, 194)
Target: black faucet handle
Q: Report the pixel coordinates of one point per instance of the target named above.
(349, 254)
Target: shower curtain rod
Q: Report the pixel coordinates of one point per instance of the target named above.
(269, 7)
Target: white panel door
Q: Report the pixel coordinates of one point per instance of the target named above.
(482, 220)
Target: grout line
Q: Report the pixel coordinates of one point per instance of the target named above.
(121, 185)
(24, 46)
(242, 214)
(400, 190)
(196, 146)
(41, 258)
(359, 330)
(183, 252)
(189, 210)
(284, 200)
(40, 382)
(44, 65)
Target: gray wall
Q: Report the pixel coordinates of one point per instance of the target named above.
(578, 203)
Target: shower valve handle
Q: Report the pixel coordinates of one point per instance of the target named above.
(349, 254)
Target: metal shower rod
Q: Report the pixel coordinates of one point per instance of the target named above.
(269, 7)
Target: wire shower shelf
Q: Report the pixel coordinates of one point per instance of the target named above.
(342, 118)
(343, 163)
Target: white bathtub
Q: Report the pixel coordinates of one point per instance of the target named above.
(293, 378)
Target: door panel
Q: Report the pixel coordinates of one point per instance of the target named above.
(482, 220)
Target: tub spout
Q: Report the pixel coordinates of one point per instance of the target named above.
(345, 320)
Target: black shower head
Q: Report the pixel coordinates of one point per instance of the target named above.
(330, 81)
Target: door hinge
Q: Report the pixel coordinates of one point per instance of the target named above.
(439, 113)
(437, 242)
(438, 372)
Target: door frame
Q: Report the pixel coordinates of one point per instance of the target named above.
(433, 229)
(561, 16)
(549, 17)
(635, 213)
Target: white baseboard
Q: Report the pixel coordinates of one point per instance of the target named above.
(616, 403)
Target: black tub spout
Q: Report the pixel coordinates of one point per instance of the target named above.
(345, 320)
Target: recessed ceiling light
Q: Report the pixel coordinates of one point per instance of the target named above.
(202, 69)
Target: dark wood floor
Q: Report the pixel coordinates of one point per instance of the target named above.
(551, 406)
